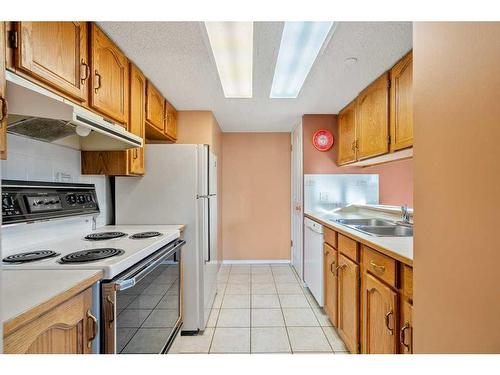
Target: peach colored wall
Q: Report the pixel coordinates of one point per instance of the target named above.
(201, 127)
(256, 200)
(456, 80)
(395, 178)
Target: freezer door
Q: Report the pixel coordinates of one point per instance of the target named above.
(209, 263)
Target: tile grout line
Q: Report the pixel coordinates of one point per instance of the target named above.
(282, 314)
(220, 308)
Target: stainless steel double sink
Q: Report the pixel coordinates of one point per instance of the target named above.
(379, 227)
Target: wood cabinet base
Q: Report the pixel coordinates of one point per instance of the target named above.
(66, 329)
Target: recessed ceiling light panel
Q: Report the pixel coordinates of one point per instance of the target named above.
(300, 45)
(232, 46)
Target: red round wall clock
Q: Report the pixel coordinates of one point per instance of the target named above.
(323, 140)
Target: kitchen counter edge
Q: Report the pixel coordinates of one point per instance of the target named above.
(12, 323)
(393, 253)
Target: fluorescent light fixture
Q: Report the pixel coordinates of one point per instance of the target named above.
(232, 45)
(300, 45)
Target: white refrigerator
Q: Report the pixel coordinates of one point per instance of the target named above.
(179, 187)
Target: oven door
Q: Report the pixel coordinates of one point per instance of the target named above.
(141, 307)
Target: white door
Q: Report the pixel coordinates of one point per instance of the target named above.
(297, 206)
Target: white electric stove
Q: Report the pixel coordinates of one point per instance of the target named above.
(138, 299)
(129, 251)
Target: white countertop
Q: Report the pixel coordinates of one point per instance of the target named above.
(23, 290)
(399, 248)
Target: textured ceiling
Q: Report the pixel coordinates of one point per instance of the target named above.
(176, 56)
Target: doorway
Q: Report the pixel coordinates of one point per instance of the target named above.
(297, 201)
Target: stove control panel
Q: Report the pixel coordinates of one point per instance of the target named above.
(10, 206)
(24, 201)
(41, 203)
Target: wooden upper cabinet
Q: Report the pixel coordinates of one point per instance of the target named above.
(379, 318)
(171, 121)
(401, 123)
(372, 119)
(330, 282)
(68, 328)
(109, 93)
(155, 108)
(348, 302)
(3, 100)
(55, 53)
(347, 134)
(137, 118)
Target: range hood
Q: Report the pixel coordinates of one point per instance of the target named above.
(37, 113)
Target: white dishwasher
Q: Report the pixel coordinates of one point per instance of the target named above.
(313, 258)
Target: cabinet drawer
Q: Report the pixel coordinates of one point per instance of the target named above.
(330, 237)
(348, 246)
(379, 265)
(407, 281)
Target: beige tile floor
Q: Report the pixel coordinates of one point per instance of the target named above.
(262, 308)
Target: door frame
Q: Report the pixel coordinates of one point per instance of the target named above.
(297, 190)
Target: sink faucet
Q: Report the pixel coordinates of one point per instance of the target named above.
(405, 215)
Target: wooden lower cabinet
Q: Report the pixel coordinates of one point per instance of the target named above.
(406, 328)
(348, 303)
(69, 328)
(379, 317)
(330, 283)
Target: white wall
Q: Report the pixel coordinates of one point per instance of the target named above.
(40, 161)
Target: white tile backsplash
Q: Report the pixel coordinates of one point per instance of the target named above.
(32, 160)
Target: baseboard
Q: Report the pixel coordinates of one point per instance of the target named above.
(274, 261)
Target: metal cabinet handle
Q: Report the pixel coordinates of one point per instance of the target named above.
(357, 144)
(85, 74)
(387, 319)
(402, 336)
(377, 268)
(135, 153)
(98, 84)
(353, 145)
(331, 268)
(3, 110)
(94, 328)
(112, 320)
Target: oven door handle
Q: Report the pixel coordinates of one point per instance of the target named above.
(144, 268)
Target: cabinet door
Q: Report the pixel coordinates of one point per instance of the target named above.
(55, 53)
(406, 328)
(3, 100)
(372, 119)
(155, 107)
(347, 134)
(379, 318)
(330, 274)
(69, 328)
(171, 120)
(401, 122)
(137, 118)
(110, 77)
(348, 302)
